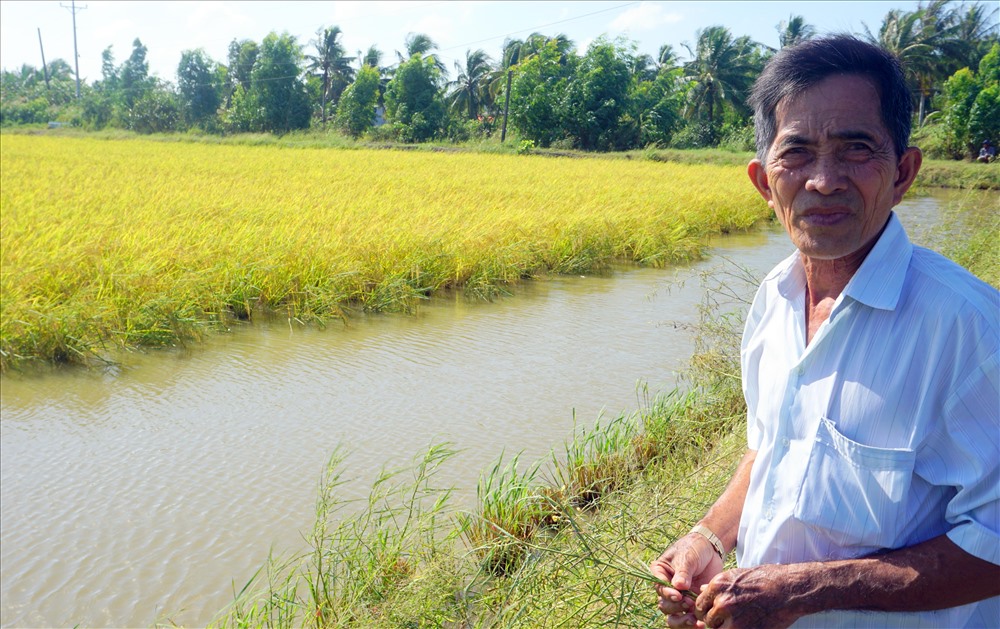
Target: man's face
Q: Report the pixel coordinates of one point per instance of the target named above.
(831, 174)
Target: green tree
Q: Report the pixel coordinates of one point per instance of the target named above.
(199, 87)
(656, 105)
(158, 111)
(373, 59)
(794, 30)
(60, 89)
(975, 32)
(516, 51)
(356, 109)
(642, 67)
(984, 116)
(971, 111)
(935, 41)
(421, 44)
(22, 96)
(102, 106)
(332, 64)
(133, 77)
(241, 59)
(722, 70)
(959, 94)
(109, 71)
(27, 98)
(666, 58)
(413, 99)
(596, 99)
(469, 92)
(276, 85)
(244, 113)
(537, 94)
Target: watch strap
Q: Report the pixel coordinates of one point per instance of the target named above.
(712, 538)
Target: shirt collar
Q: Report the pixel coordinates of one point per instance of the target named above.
(878, 283)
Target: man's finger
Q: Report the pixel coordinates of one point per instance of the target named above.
(681, 580)
(681, 621)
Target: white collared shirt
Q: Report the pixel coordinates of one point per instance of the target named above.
(884, 431)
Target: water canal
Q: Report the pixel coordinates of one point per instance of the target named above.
(143, 493)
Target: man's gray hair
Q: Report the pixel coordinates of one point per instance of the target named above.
(797, 68)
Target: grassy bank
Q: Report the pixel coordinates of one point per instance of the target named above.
(108, 245)
(563, 542)
(938, 173)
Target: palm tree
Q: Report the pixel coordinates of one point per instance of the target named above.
(666, 58)
(913, 37)
(331, 63)
(417, 44)
(794, 30)
(973, 33)
(372, 57)
(934, 41)
(470, 90)
(722, 70)
(420, 44)
(517, 51)
(642, 67)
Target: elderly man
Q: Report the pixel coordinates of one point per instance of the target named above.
(869, 495)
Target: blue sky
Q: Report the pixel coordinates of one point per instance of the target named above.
(167, 28)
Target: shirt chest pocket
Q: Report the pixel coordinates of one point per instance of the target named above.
(854, 494)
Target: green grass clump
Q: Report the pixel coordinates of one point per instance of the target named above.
(364, 562)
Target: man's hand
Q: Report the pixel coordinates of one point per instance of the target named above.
(749, 598)
(687, 565)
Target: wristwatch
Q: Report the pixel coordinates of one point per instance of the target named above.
(712, 538)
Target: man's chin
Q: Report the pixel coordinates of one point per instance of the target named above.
(819, 249)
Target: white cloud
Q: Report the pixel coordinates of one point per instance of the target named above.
(644, 17)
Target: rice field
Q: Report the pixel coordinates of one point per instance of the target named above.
(120, 244)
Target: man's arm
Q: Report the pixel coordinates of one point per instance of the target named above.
(692, 561)
(935, 574)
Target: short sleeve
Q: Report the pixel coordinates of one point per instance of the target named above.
(965, 453)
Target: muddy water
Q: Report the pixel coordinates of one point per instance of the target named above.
(142, 494)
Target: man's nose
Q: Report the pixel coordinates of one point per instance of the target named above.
(827, 175)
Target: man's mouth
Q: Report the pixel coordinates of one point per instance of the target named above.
(825, 217)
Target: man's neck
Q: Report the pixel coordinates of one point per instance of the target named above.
(825, 281)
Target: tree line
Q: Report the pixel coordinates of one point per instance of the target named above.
(608, 97)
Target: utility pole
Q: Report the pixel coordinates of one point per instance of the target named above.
(45, 68)
(506, 106)
(76, 56)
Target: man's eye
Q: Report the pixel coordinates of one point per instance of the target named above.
(795, 153)
(858, 151)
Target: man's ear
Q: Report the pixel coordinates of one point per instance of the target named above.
(758, 177)
(906, 172)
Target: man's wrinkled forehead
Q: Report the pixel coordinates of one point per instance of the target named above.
(861, 120)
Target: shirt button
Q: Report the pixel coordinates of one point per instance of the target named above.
(801, 370)
(785, 442)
